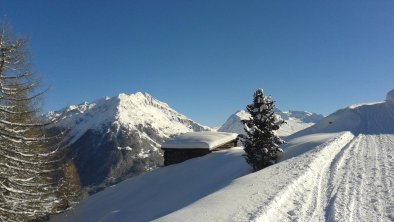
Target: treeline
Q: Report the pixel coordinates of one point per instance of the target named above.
(36, 178)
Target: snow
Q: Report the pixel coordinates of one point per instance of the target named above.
(344, 170)
(345, 178)
(132, 111)
(261, 196)
(370, 118)
(340, 169)
(125, 148)
(299, 145)
(200, 140)
(355, 106)
(162, 191)
(233, 123)
(296, 121)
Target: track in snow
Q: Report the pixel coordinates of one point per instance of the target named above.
(355, 184)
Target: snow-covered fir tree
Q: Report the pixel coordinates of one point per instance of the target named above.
(260, 142)
(30, 161)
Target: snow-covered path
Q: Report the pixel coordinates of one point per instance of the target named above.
(363, 181)
(356, 184)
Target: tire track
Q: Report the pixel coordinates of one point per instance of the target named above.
(351, 181)
(304, 198)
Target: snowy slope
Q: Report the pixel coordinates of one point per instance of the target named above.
(344, 179)
(162, 191)
(329, 175)
(296, 121)
(206, 188)
(368, 118)
(350, 177)
(115, 138)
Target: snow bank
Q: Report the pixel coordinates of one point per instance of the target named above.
(299, 145)
(201, 140)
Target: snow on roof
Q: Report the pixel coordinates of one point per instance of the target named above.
(199, 140)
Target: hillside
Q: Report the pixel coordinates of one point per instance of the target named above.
(119, 137)
(366, 118)
(329, 175)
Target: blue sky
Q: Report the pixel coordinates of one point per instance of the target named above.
(205, 58)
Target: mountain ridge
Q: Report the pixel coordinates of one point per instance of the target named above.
(114, 138)
(295, 121)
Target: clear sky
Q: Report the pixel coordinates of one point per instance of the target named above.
(205, 57)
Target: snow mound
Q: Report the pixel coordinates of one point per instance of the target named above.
(201, 140)
(390, 96)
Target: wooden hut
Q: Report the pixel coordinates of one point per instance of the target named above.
(196, 144)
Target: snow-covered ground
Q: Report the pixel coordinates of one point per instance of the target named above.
(162, 191)
(345, 179)
(341, 169)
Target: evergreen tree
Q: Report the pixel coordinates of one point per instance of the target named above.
(30, 160)
(260, 142)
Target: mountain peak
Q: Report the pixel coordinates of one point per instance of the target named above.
(117, 137)
(140, 98)
(296, 120)
(137, 95)
(130, 110)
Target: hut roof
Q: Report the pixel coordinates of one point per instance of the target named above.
(199, 140)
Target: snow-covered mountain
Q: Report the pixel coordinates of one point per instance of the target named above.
(295, 121)
(366, 118)
(118, 137)
(341, 169)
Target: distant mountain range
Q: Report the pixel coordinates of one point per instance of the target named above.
(114, 138)
(295, 121)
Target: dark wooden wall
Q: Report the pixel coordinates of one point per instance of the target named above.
(226, 146)
(173, 156)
